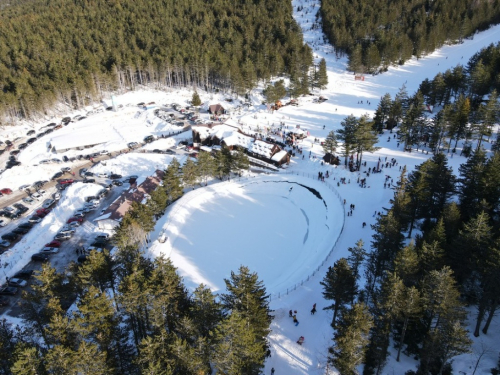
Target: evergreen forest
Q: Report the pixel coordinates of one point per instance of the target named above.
(436, 250)
(59, 51)
(124, 313)
(377, 34)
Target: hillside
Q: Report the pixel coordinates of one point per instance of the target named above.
(72, 51)
(376, 34)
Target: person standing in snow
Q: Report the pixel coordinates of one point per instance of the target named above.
(295, 320)
(290, 313)
(272, 371)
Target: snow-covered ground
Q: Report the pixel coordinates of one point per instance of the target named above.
(281, 227)
(256, 221)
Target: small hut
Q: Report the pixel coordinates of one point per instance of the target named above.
(216, 109)
(331, 159)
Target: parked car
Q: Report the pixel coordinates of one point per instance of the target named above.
(34, 219)
(56, 196)
(13, 215)
(24, 274)
(3, 222)
(82, 258)
(53, 244)
(31, 140)
(42, 212)
(79, 214)
(40, 257)
(28, 200)
(102, 237)
(31, 132)
(22, 146)
(44, 161)
(4, 243)
(26, 225)
(65, 169)
(20, 206)
(56, 175)
(104, 152)
(65, 158)
(66, 120)
(9, 237)
(62, 236)
(149, 139)
(20, 231)
(8, 290)
(133, 145)
(6, 191)
(48, 203)
(66, 181)
(102, 175)
(117, 183)
(88, 180)
(74, 224)
(57, 127)
(71, 219)
(49, 250)
(36, 196)
(41, 191)
(56, 160)
(18, 283)
(15, 152)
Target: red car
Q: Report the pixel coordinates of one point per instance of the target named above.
(6, 191)
(53, 244)
(42, 211)
(66, 181)
(72, 219)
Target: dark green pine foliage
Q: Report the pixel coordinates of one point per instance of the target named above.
(444, 319)
(357, 257)
(387, 241)
(351, 339)
(172, 181)
(411, 127)
(195, 100)
(223, 163)
(189, 173)
(470, 183)
(330, 143)
(339, 286)
(382, 34)
(382, 113)
(275, 92)
(366, 138)
(347, 134)
(321, 78)
(247, 301)
(117, 45)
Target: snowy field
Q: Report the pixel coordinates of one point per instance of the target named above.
(281, 227)
(256, 221)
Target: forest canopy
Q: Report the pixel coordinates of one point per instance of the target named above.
(59, 50)
(376, 34)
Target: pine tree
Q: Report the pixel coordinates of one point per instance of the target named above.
(355, 63)
(195, 100)
(347, 134)
(240, 162)
(28, 361)
(330, 143)
(365, 138)
(238, 351)
(246, 296)
(206, 166)
(172, 180)
(189, 173)
(321, 75)
(382, 113)
(351, 339)
(339, 286)
(444, 318)
(387, 241)
(357, 257)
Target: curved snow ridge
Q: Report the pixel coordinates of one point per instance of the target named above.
(247, 222)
